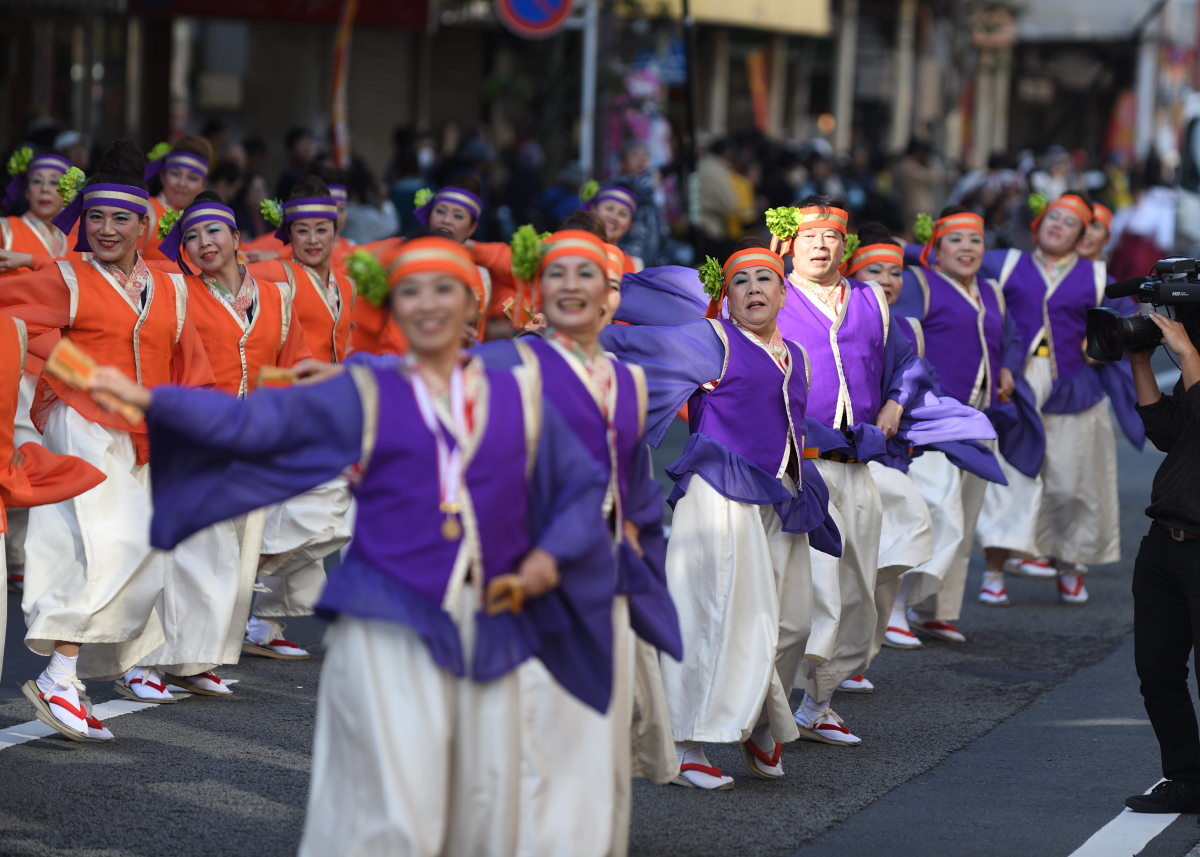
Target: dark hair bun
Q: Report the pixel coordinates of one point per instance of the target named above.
(875, 233)
(123, 163)
(308, 187)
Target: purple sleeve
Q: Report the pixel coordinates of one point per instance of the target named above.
(574, 620)
(677, 360)
(666, 295)
(903, 373)
(216, 457)
(1012, 355)
(911, 303)
(651, 610)
(912, 254)
(993, 264)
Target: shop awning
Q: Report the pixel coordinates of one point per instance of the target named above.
(789, 17)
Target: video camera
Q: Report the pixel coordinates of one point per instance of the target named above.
(1175, 282)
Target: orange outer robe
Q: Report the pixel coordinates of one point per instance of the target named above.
(326, 328)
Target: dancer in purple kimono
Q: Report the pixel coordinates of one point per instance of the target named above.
(477, 545)
(603, 400)
(745, 506)
(974, 349)
(845, 327)
(1066, 518)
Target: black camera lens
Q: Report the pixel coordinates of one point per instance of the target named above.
(1110, 335)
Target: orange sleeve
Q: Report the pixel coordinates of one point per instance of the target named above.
(189, 364)
(295, 346)
(38, 296)
(43, 477)
(496, 256)
(162, 263)
(374, 331)
(270, 271)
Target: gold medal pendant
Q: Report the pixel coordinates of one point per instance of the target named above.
(451, 529)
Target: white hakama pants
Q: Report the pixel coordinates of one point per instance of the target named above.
(206, 599)
(299, 533)
(408, 760)
(954, 498)
(576, 777)
(24, 431)
(652, 742)
(1008, 519)
(91, 576)
(1080, 516)
(843, 613)
(905, 540)
(742, 590)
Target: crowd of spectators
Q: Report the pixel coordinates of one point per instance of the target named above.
(737, 176)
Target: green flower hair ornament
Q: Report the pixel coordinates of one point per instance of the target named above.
(369, 276)
(923, 228)
(712, 277)
(527, 250)
(18, 161)
(1037, 203)
(167, 222)
(422, 196)
(852, 245)
(71, 184)
(589, 190)
(272, 211)
(159, 151)
(783, 222)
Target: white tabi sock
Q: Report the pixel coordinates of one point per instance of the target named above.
(763, 739)
(993, 580)
(60, 670)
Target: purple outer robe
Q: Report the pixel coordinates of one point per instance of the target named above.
(738, 439)
(670, 294)
(217, 457)
(643, 578)
(1077, 386)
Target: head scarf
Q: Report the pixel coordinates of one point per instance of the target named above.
(193, 215)
(17, 183)
(437, 255)
(613, 193)
(751, 257)
(1070, 203)
(305, 208)
(965, 220)
(188, 160)
(1103, 214)
(888, 254)
(454, 196)
(124, 196)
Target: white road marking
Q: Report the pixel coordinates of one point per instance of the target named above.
(34, 729)
(1128, 833)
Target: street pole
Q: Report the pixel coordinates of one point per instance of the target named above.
(689, 186)
(587, 101)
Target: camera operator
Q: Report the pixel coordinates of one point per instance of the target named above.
(1166, 576)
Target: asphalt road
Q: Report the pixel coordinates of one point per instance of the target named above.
(1023, 741)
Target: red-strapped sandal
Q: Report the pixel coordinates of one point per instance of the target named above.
(712, 771)
(752, 755)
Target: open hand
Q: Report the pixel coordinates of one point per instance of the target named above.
(1175, 336)
(888, 420)
(109, 383)
(314, 371)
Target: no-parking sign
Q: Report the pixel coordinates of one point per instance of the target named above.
(534, 19)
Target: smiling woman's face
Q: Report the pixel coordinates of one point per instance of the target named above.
(112, 232)
(210, 245)
(574, 295)
(755, 298)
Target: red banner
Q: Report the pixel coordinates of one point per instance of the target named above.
(341, 71)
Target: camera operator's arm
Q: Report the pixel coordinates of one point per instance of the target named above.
(1166, 417)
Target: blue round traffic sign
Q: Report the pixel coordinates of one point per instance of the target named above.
(534, 19)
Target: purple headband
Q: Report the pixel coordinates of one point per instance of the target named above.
(124, 196)
(323, 207)
(41, 162)
(614, 193)
(203, 212)
(455, 196)
(187, 160)
(339, 192)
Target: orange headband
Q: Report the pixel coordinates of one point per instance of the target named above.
(435, 254)
(1069, 202)
(887, 254)
(818, 217)
(616, 264)
(1103, 214)
(963, 221)
(751, 257)
(574, 242)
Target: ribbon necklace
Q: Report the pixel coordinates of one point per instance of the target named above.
(449, 460)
